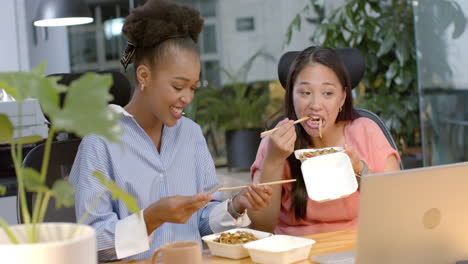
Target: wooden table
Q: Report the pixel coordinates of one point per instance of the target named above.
(325, 243)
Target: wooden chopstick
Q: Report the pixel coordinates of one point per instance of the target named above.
(214, 189)
(260, 184)
(268, 132)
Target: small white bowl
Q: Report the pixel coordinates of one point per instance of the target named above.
(298, 153)
(329, 177)
(236, 251)
(279, 249)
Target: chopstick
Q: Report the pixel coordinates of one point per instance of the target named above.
(268, 132)
(214, 189)
(260, 184)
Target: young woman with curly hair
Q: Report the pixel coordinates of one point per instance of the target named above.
(164, 161)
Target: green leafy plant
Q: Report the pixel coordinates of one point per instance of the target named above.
(236, 105)
(384, 32)
(84, 112)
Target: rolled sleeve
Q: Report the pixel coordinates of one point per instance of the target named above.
(131, 236)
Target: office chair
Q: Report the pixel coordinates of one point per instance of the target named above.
(62, 156)
(354, 63)
(121, 88)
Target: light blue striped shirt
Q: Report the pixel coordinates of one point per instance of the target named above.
(183, 167)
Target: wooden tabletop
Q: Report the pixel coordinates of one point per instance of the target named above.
(325, 243)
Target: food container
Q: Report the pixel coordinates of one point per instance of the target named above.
(279, 249)
(300, 152)
(329, 177)
(236, 251)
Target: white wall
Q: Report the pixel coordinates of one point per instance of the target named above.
(17, 49)
(54, 49)
(272, 18)
(13, 48)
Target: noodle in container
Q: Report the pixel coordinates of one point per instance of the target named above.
(232, 251)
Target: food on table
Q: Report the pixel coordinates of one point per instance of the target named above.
(239, 237)
(311, 154)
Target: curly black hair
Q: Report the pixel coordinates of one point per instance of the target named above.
(157, 25)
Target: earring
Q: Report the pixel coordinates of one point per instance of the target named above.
(341, 108)
(142, 88)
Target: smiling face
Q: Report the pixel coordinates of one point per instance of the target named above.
(171, 85)
(318, 93)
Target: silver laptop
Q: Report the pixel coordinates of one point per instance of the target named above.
(413, 216)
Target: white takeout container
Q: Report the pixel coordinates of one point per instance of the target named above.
(236, 251)
(298, 152)
(279, 249)
(329, 177)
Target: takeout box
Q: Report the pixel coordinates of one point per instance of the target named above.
(279, 249)
(300, 152)
(236, 251)
(329, 177)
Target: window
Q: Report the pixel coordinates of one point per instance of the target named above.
(99, 46)
(208, 41)
(245, 24)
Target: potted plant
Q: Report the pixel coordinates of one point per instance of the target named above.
(238, 109)
(84, 111)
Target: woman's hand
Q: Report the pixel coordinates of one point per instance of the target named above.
(358, 166)
(174, 209)
(253, 197)
(281, 142)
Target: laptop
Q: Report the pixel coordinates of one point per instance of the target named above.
(413, 216)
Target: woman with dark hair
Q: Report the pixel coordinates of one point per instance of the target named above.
(164, 160)
(318, 86)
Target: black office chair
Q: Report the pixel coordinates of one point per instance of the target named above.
(354, 63)
(62, 156)
(121, 88)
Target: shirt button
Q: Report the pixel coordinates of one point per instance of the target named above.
(161, 175)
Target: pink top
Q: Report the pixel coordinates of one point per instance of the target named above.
(371, 145)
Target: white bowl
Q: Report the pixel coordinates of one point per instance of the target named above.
(298, 153)
(329, 177)
(236, 251)
(279, 249)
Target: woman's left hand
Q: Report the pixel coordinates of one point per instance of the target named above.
(253, 197)
(355, 160)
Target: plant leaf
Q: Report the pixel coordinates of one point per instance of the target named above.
(2, 190)
(33, 84)
(387, 44)
(88, 96)
(6, 129)
(33, 182)
(64, 193)
(29, 140)
(118, 193)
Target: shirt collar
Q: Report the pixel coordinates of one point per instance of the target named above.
(120, 110)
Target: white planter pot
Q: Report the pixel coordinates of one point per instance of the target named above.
(55, 246)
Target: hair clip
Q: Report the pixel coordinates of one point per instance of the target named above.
(127, 56)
